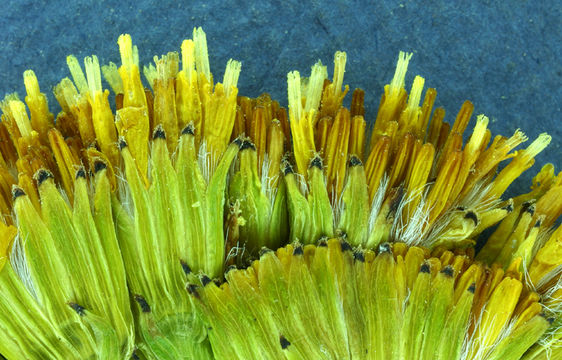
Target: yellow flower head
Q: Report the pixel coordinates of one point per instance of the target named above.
(192, 222)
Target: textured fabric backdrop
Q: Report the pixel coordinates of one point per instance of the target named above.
(504, 56)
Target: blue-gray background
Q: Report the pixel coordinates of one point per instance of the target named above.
(504, 56)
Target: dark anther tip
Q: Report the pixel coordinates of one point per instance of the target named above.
(354, 161)
(238, 141)
(264, 251)
(17, 192)
(358, 256)
(288, 169)
(385, 248)
(81, 173)
(41, 175)
(192, 290)
(188, 130)
(99, 165)
(316, 163)
(79, 309)
(122, 144)
(472, 288)
(205, 280)
(145, 308)
(448, 271)
(247, 144)
(159, 133)
(284, 342)
(345, 246)
(424, 268)
(230, 268)
(186, 269)
(508, 208)
(298, 250)
(472, 216)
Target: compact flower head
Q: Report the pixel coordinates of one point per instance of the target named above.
(193, 222)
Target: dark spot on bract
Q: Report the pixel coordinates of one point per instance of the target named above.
(528, 207)
(238, 141)
(288, 169)
(425, 268)
(188, 130)
(448, 271)
(135, 356)
(298, 250)
(354, 161)
(472, 216)
(99, 166)
(17, 192)
(284, 342)
(42, 175)
(358, 256)
(247, 144)
(316, 162)
(323, 241)
(81, 173)
(186, 269)
(122, 144)
(472, 288)
(192, 290)
(549, 319)
(538, 223)
(205, 280)
(145, 308)
(159, 133)
(79, 309)
(345, 246)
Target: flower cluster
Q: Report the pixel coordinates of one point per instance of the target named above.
(192, 222)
